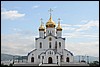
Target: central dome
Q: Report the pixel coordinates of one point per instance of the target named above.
(50, 23)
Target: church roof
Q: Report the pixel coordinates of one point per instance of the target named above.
(31, 51)
(41, 28)
(59, 28)
(50, 49)
(49, 35)
(50, 23)
(69, 52)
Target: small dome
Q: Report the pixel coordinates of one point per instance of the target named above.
(41, 28)
(50, 23)
(59, 28)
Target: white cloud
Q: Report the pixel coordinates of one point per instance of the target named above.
(68, 28)
(12, 14)
(17, 44)
(55, 7)
(80, 35)
(84, 48)
(36, 6)
(84, 20)
(77, 25)
(16, 29)
(65, 25)
(89, 25)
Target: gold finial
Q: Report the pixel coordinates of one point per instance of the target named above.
(59, 21)
(41, 28)
(59, 28)
(50, 10)
(41, 21)
(50, 23)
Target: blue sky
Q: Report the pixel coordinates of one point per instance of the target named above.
(20, 21)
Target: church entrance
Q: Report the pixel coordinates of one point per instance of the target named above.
(50, 60)
(67, 59)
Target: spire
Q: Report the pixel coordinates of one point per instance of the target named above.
(41, 28)
(58, 21)
(50, 23)
(50, 10)
(41, 21)
(59, 28)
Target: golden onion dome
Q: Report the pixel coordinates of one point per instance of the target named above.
(59, 28)
(41, 28)
(50, 23)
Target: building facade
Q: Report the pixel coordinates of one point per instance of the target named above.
(50, 45)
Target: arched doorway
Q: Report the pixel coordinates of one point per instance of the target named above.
(50, 60)
(67, 59)
(32, 59)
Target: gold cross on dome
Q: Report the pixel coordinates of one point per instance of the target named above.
(50, 10)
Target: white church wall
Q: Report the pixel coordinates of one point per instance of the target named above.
(52, 30)
(67, 54)
(46, 41)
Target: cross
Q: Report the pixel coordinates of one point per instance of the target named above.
(59, 19)
(50, 11)
(41, 21)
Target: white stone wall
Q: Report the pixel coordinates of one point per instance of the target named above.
(52, 30)
(45, 47)
(59, 33)
(41, 34)
(67, 54)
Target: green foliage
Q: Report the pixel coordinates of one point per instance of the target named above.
(95, 63)
(3, 65)
(10, 64)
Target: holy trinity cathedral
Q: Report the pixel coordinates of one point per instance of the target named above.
(50, 45)
(50, 48)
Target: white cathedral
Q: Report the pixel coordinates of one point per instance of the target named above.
(50, 48)
(50, 45)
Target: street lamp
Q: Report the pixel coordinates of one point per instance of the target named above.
(87, 59)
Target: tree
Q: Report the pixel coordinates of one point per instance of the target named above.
(95, 63)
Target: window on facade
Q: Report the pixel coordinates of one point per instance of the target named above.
(56, 45)
(40, 45)
(42, 57)
(50, 52)
(49, 44)
(32, 59)
(38, 56)
(67, 59)
(50, 39)
(59, 44)
(61, 58)
(57, 57)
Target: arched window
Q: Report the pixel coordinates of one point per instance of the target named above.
(61, 58)
(49, 44)
(56, 45)
(40, 45)
(67, 59)
(59, 44)
(32, 59)
(38, 56)
(42, 57)
(57, 57)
